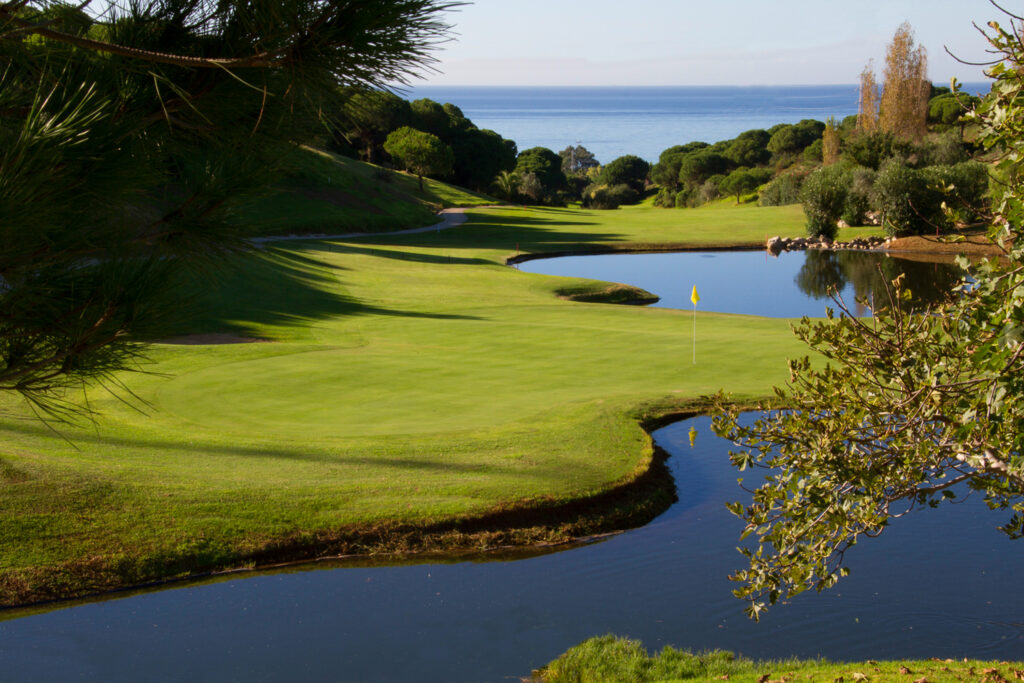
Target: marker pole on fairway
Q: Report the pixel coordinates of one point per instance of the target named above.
(694, 297)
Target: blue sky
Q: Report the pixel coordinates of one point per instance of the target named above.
(686, 42)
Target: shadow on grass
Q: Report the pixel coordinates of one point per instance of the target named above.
(539, 230)
(156, 447)
(275, 287)
(415, 257)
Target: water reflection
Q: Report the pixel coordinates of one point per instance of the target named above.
(869, 277)
(793, 285)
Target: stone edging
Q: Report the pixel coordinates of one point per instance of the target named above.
(776, 245)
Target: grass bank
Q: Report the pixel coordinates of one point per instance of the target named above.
(415, 388)
(608, 659)
(330, 194)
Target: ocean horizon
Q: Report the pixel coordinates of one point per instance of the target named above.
(612, 121)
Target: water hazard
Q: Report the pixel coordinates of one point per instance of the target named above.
(939, 583)
(792, 285)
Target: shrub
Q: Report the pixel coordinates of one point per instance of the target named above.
(783, 189)
(665, 198)
(858, 197)
(967, 200)
(873, 149)
(609, 196)
(684, 197)
(823, 197)
(624, 194)
(708, 192)
(945, 149)
(909, 199)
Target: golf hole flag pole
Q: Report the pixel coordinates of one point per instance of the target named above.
(695, 297)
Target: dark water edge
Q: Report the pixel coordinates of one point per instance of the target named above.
(941, 583)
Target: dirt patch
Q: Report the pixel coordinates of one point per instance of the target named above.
(211, 339)
(972, 245)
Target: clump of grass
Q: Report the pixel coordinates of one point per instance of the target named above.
(611, 659)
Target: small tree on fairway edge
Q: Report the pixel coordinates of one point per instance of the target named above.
(420, 153)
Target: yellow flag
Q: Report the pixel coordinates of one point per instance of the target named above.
(695, 297)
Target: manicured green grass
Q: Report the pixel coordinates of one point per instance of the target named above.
(608, 659)
(411, 379)
(330, 194)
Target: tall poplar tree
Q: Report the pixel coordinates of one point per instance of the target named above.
(867, 113)
(906, 89)
(830, 141)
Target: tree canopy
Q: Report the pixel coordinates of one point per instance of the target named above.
(129, 137)
(750, 148)
(418, 152)
(628, 170)
(911, 410)
(545, 167)
(577, 160)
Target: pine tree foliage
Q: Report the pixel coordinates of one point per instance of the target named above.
(129, 136)
(911, 410)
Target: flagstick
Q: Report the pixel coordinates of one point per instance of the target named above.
(695, 297)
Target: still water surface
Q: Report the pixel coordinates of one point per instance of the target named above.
(791, 285)
(940, 583)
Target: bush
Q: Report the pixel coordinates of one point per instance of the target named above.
(873, 149)
(823, 197)
(968, 199)
(858, 197)
(609, 196)
(909, 199)
(665, 198)
(684, 198)
(708, 192)
(784, 189)
(945, 149)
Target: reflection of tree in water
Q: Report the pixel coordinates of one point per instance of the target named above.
(820, 275)
(870, 272)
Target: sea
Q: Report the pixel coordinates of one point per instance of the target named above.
(614, 121)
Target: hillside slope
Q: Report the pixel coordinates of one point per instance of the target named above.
(328, 193)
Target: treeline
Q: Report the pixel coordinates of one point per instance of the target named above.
(905, 161)
(427, 138)
(437, 140)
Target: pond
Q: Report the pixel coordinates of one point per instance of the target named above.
(791, 285)
(940, 583)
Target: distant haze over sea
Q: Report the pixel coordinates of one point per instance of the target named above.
(641, 120)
